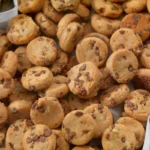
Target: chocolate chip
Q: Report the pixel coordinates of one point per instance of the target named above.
(113, 102)
(29, 123)
(148, 55)
(35, 138)
(122, 32)
(130, 68)
(79, 113)
(124, 57)
(40, 109)
(107, 136)
(29, 140)
(100, 107)
(14, 111)
(71, 135)
(83, 91)
(136, 19)
(124, 148)
(42, 139)
(68, 29)
(137, 136)
(102, 10)
(109, 26)
(83, 67)
(47, 132)
(123, 139)
(7, 83)
(85, 131)
(31, 88)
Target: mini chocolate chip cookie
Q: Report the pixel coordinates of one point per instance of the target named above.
(39, 137)
(103, 25)
(114, 95)
(78, 127)
(3, 115)
(43, 111)
(15, 133)
(85, 80)
(36, 78)
(123, 65)
(102, 116)
(44, 53)
(137, 105)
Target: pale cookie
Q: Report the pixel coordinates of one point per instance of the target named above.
(103, 25)
(139, 23)
(68, 18)
(102, 116)
(77, 103)
(65, 105)
(135, 127)
(6, 84)
(7, 64)
(15, 133)
(51, 13)
(61, 143)
(143, 78)
(134, 6)
(58, 88)
(99, 36)
(114, 95)
(60, 5)
(83, 12)
(87, 3)
(19, 93)
(23, 61)
(36, 78)
(39, 137)
(47, 111)
(122, 65)
(107, 8)
(47, 26)
(22, 31)
(19, 109)
(82, 148)
(137, 105)
(128, 39)
(44, 53)
(85, 80)
(118, 137)
(78, 127)
(2, 136)
(29, 6)
(4, 45)
(3, 114)
(145, 57)
(60, 62)
(87, 28)
(71, 35)
(92, 49)
(107, 78)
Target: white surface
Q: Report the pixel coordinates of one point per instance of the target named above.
(7, 15)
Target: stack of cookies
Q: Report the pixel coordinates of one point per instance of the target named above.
(64, 64)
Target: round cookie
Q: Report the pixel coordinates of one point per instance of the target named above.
(71, 35)
(143, 78)
(3, 114)
(145, 57)
(58, 88)
(114, 95)
(61, 143)
(134, 6)
(103, 25)
(6, 84)
(118, 137)
(60, 5)
(45, 108)
(137, 105)
(82, 148)
(4, 45)
(102, 116)
(136, 127)
(19, 109)
(60, 62)
(128, 39)
(92, 49)
(39, 137)
(23, 61)
(7, 64)
(78, 127)
(44, 53)
(47, 26)
(139, 23)
(51, 13)
(36, 78)
(29, 6)
(107, 8)
(22, 30)
(19, 93)
(85, 80)
(15, 133)
(2, 136)
(68, 18)
(122, 65)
